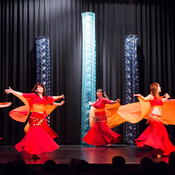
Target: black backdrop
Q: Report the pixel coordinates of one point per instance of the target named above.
(21, 21)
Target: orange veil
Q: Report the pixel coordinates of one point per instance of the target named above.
(21, 113)
(135, 112)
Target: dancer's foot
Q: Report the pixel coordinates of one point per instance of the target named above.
(35, 157)
(156, 153)
(159, 155)
(109, 144)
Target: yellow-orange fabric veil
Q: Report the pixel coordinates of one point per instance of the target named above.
(110, 109)
(168, 112)
(135, 112)
(21, 113)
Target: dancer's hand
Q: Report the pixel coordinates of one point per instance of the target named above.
(166, 95)
(117, 101)
(8, 104)
(8, 91)
(137, 95)
(62, 103)
(62, 96)
(58, 97)
(5, 104)
(90, 103)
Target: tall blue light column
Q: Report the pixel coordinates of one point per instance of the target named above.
(132, 81)
(43, 63)
(88, 69)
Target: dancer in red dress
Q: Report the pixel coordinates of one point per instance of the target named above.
(100, 134)
(39, 136)
(155, 135)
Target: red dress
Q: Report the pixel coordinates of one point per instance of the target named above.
(39, 137)
(155, 135)
(100, 134)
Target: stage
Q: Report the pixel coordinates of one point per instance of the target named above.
(93, 155)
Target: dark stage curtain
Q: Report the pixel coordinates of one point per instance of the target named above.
(21, 21)
(153, 22)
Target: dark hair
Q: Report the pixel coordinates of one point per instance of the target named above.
(44, 89)
(103, 93)
(154, 88)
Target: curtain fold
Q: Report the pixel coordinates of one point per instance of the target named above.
(153, 22)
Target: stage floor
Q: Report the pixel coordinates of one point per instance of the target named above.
(93, 155)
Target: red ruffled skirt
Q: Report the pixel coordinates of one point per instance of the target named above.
(39, 138)
(100, 134)
(156, 136)
(49, 130)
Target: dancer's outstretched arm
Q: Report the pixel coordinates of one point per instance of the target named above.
(147, 98)
(59, 104)
(116, 101)
(5, 105)
(111, 102)
(10, 90)
(58, 97)
(166, 96)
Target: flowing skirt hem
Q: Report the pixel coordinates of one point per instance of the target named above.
(37, 141)
(100, 134)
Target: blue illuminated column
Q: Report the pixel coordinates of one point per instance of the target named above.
(43, 63)
(88, 69)
(132, 81)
